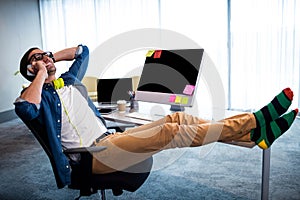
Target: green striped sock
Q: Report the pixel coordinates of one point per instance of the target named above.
(275, 108)
(266, 135)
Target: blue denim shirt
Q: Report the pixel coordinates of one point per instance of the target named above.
(48, 113)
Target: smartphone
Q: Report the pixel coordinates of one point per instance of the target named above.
(106, 111)
(28, 72)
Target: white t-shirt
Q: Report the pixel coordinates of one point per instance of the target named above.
(80, 126)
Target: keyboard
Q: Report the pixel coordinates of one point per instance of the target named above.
(138, 115)
(108, 105)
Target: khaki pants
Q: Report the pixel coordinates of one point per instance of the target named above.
(175, 130)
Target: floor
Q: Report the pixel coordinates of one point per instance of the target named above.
(215, 171)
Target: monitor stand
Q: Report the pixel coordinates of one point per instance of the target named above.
(176, 108)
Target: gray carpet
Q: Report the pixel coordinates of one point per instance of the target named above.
(215, 171)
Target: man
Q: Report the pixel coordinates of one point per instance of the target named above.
(71, 120)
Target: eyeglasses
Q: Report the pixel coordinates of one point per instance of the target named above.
(40, 56)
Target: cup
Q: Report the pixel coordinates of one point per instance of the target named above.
(121, 105)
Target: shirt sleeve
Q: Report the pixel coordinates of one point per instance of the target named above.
(25, 110)
(79, 66)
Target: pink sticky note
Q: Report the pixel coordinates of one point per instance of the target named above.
(189, 89)
(157, 54)
(172, 98)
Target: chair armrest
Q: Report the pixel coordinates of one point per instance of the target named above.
(85, 149)
(118, 126)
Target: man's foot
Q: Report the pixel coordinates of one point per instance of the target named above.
(266, 135)
(275, 108)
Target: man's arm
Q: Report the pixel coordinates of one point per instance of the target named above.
(65, 54)
(79, 66)
(33, 93)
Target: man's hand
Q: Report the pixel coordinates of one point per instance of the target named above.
(33, 93)
(47, 68)
(38, 66)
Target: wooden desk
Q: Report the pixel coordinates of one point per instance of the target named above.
(145, 107)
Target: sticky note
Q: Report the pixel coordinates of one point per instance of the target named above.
(185, 100)
(150, 53)
(172, 98)
(178, 99)
(189, 89)
(157, 54)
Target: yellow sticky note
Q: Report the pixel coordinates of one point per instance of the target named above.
(150, 53)
(178, 99)
(185, 100)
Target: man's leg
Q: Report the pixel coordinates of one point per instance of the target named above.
(266, 135)
(177, 117)
(128, 148)
(278, 106)
(178, 130)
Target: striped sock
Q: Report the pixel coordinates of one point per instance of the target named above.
(266, 135)
(275, 108)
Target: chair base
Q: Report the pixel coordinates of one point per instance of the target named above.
(102, 195)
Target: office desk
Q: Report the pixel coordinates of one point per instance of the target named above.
(164, 109)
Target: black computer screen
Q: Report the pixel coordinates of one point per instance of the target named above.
(112, 90)
(170, 71)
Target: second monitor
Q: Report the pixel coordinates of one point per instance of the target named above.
(109, 91)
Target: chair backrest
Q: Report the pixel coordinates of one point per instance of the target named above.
(39, 133)
(90, 83)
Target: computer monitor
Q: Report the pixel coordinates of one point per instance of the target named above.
(109, 91)
(170, 77)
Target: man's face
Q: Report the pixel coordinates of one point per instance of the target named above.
(38, 55)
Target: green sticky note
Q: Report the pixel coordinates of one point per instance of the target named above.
(184, 100)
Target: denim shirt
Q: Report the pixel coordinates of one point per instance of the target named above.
(48, 113)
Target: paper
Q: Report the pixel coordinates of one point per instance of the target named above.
(157, 54)
(150, 53)
(189, 89)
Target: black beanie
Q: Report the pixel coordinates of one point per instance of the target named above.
(24, 63)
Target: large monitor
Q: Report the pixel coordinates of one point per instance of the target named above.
(170, 77)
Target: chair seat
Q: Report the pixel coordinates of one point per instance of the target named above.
(130, 179)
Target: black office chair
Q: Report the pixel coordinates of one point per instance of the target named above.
(82, 177)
